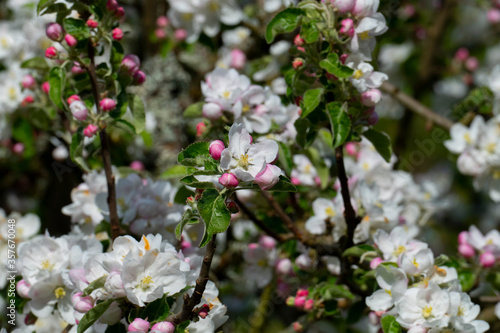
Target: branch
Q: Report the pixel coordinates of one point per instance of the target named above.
(279, 237)
(67, 328)
(201, 282)
(415, 106)
(110, 178)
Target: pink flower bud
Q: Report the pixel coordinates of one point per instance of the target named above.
(375, 262)
(309, 305)
(73, 98)
(297, 327)
(28, 82)
(228, 180)
(268, 177)
(82, 304)
(76, 69)
(200, 128)
(46, 87)
(472, 63)
(139, 325)
(23, 288)
(18, 148)
(139, 77)
(298, 41)
(295, 181)
(186, 244)
(343, 58)
(163, 326)
(27, 100)
(267, 242)
(284, 266)
(373, 318)
(290, 301)
(92, 23)
(466, 250)
(51, 52)
(131, 63)
(90, 130)
(215, 149)
(107, 104)
(117, 33)
(180, 35)
(137, 165)
(462, 54)
(493, 15)
(238, 59)
(351, 149)
(54, 31)
(462, 237)
(162, 22)
(203, 313)
(347, 27)
(112, 5)
(371, 97)
(70, 40)
(299, 302)
(212, 111)
(343, 5)
(302, 292)
(120, 12)
(487, 259)
(160, 33)
(297, 63)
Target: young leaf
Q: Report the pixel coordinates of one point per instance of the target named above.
(91, 317)
(283, 185)
(195, 155)
(312, 98)
(137, 107)
(96, 284)
(186, 217)
(43, 4)
(76, 149)
(194, 110)
(157, 310)
(333, 66)
(390, 325)
(193, 182)
(213, 210)
(285, 21)
(340, 123)
(309, 32)
(381, 141)
(57, 81)
(35, 63)
(76, 28)
(306, 133)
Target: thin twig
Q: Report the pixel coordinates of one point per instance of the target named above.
(106, 158)
(415, 106)
(201, 282)
(67, 328)
(279, 237)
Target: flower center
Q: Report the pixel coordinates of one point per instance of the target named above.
(244, 161)
(415, 263)
(491, 147)
(358, 74)
(47, 265)
(4, 42)
(330, 212)
(245, 108)
(364, 35)
(460, 311)
(467, 138)
(427, 312)
(12, 93)
(496, 174)
(187, 16)
(400, 249)
(60, 293)
(145, 282)
(226, 94)
(213, 6)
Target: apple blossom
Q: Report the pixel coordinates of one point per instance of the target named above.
(90, 130)
(117, 34)
(107, 104)
(54, 31)
(78, 109)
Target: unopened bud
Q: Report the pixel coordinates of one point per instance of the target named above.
(298, 63)
(487, 259)
(117, 34)
(46, 87)
(90, 130)
(139, 325)
(70, 40)
(228, 180)
(215, 149)
(107, 104)
(180, 35)
(164, 326)
(162, 22)
(92, 23)
(200, 128)
(54, 31)
(28, 82)
(51, 52)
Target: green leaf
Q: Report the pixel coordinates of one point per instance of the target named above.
(157, 310)
(176, 171)
(390, 325)
(312, 98)
(186, 217)
(182, 194)
(96, 284)
(358, 250)
(381, 141)
(194, 110)
(215, 215)
(306, 133)
(36, 63)
(193, 182)
(195, 154)
(285, 157)
(139, 117)
(76, 149)
(43, 4)
(333, 66)
(467, 280)
(309, 32)
(285, 21)
(91, 317)
(339, 121)
(57, 81)
(283, 185)
(76, 28)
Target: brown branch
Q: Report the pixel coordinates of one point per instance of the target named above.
(415, 106)
(110, 178)
(67, 328)
(201, 282)
(279, 237)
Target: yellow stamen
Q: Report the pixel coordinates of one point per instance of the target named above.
(147, 246)
(244, 161)
(245, 108)
(358, 74)
(427, 312)
(415, 263)
(401, 249)
(226, 94)
(47, 265)
(60, 293)
(12, 93)
(364, 35)
(467, 138)
(496, 174)
(330, 212)
(187, 16)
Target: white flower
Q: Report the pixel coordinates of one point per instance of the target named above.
(396, 243)
(244, 159)
(260, 264)
(463, 137)
(367, 29)
(364, 77)
(236, 37)
(464, 313)
(419, 263)
(148, 277)
(223, 87)
(304, 172)
(327, 211)
(393, 282)
(424, 307)
(251, 111)
(489, 242)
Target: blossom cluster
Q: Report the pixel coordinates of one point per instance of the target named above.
(420, 294)
(479, 152)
